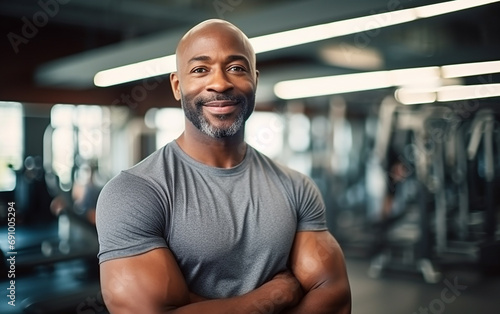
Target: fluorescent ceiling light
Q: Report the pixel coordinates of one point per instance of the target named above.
(350, 56)
(331, 85)
(409, 96)
(414, 76)
(351, 26)
(454, 93)
(160, 66)
(346, 83)
(430, 77)
(470, 69)
(314, 33)
(412, 96)
(135, 71)
(447, 7)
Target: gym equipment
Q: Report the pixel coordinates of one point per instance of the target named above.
(453, 218)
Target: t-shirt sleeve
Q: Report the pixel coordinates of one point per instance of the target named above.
(130, 218)
(311, 207)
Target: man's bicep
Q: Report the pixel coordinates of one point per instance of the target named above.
(151, 282)
(318, 263)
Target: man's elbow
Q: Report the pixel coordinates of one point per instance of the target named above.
(339, 296)
(117, 301)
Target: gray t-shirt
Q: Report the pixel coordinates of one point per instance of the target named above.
(230, 230)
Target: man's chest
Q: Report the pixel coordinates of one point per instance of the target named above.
(226, 219)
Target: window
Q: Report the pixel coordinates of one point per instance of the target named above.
(11, 143)
(168, 121)
(265, 132)
(79, 134)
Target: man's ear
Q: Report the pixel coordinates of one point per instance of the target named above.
(174, 82)
(256, 77)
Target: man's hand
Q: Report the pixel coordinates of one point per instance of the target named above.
(287, 289)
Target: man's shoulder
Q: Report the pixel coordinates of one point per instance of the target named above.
(150, 169)
(144, 180)
(155, 164)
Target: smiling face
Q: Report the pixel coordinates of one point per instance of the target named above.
(216, 78)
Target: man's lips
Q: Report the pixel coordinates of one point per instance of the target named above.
(220, 103)
(219, 107)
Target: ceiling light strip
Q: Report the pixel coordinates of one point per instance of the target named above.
(160, 66)
(338, 84)
(135, 71)
(455, 93)
(470, 69)
(413, 96)
(424, 76)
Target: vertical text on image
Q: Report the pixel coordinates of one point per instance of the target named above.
(11, 254)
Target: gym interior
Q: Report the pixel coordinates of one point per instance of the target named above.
(392, 107)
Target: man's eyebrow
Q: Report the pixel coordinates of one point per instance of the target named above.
(230, 58)
(199, 58)
(238, 58)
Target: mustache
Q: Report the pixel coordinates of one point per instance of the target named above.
(200, 101)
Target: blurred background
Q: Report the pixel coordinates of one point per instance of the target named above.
(391, 106)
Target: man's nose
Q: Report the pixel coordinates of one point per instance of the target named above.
(219, 82)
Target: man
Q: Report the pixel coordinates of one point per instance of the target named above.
(207, 224)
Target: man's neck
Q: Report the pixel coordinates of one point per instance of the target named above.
(225, 152)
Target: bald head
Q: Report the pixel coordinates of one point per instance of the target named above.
(214, 28)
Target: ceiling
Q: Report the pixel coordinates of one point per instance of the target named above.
(51, 49)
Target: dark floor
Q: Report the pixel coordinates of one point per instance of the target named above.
(462, 290)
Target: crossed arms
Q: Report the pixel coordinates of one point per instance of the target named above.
(153, 283)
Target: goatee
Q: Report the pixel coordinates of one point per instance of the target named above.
(194, 112)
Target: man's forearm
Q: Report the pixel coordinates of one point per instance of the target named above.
(324, 299)
(253, 302)
(280, 293)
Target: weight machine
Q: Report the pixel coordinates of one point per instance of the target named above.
(450, 214)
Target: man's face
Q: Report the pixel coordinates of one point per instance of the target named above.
(215, 81)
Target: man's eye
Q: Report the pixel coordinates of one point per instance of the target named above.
(199, 70)
(237, 68)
